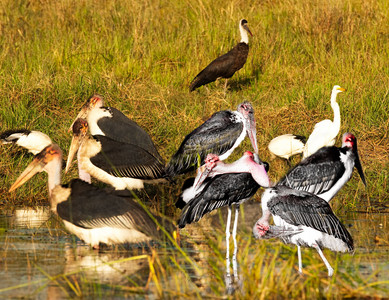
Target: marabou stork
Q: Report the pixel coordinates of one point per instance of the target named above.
(323, 134)
(92, 214)
(220, 134)
(33, 141)
(226, 65)
(229, 187)
(248, 163)
(311, 218)
(121, 153)
(325, 172)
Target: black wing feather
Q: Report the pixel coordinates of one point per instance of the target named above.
(303, 208)
(127, 160)
(222, 190)
(6, 136)
(317, 173)
(216, 135)
(91, 207)
(122, 129)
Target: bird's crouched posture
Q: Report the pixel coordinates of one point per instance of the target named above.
(308, 216)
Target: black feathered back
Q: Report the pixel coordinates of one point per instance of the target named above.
(222, 190)
(216, 135)
(222, 67)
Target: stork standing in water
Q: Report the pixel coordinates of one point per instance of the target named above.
(228, 188)
(121, 153)
(33, 141)
(248, 163)
(310, 216)
(92, 214)
(325, 172)
(220, 134)
(323, 134)
(226, 65)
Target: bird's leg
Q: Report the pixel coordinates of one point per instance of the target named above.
(288, 162)
(234, 260)
(299, 259)
(228, 241)
(330, 269)
(225, 87)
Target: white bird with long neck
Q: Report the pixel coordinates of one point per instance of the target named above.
(323, 134)
(326, 131)
(94, 215)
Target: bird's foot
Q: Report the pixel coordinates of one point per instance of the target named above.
(260, 230)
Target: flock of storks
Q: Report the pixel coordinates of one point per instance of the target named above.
(117, 151)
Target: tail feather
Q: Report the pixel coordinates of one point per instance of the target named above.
(195, 84)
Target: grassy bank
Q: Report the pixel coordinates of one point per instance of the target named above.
(141, 56)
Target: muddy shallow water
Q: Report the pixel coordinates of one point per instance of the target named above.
(34, 249)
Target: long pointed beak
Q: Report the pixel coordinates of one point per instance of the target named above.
(341, 89)
(359, 168)
(247, 29)
(202, 174)
(259, 174)
(74, 147)
(34, 167)
(252, 133)
(81, 115)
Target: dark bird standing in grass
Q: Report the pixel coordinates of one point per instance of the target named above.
(226, 65)
(94, 215)
(121, 153)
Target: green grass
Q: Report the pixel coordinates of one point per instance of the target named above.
(141, 56)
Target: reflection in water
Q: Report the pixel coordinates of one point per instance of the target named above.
(28, 253)
(29, 217)
(38, 258)
(111, 267)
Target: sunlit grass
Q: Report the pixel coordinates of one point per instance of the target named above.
(141, 57)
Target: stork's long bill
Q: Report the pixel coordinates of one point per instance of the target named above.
(247, 112)
(246, 164)
(350, 140)
(80, 130)
(39, 163)
(246, 27)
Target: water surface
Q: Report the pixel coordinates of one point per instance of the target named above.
(35, 251)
